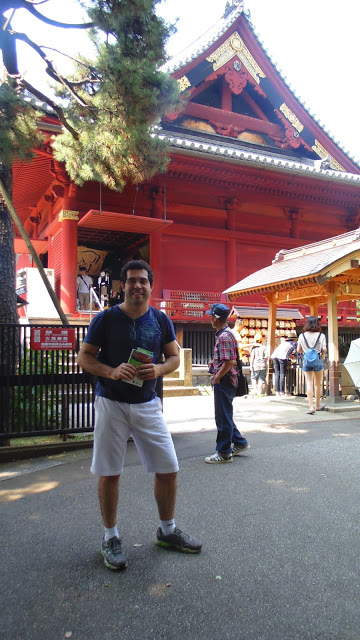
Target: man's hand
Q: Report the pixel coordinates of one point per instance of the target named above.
(148, 371)
(216, 379)
(124, 371)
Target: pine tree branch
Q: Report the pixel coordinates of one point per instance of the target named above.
(58, 110)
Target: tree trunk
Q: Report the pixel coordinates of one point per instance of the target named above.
(8, 343)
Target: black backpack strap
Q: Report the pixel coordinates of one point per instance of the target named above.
(162, 320)
(84, 282)
(317, 340)
(161, 317)
(315, 345)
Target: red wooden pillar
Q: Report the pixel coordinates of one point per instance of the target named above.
(156, 262)
(69, 220)
(157, 196)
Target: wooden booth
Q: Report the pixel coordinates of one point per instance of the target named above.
(256, 320)
(317, 274)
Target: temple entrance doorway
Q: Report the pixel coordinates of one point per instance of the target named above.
(107, 240)
(103, 253)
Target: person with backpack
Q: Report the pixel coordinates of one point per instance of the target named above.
(312, 344)
(123, 347)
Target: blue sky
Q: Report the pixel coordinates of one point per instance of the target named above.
(314, 42)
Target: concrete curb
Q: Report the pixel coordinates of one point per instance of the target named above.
(11, 454)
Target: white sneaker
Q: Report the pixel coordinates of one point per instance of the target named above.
(219, 458)
(237, 450)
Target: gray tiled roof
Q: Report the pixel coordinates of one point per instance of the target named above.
(301, 267)
(224, 148)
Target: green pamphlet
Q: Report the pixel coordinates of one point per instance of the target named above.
(138, 357)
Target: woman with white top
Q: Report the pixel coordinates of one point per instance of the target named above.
(312, 338)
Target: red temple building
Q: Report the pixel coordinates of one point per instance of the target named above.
(252, 172)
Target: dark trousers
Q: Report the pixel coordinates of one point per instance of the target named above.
(227, 431)
(280, 367)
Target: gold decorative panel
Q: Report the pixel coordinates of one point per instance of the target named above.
(234, 46)
(322, 153)
(291, 117)
(67, 214)
(183, 83)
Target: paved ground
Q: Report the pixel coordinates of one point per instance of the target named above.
(280, 528)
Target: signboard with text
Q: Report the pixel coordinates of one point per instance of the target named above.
(44, 338)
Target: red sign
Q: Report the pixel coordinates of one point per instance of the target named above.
(43, 338)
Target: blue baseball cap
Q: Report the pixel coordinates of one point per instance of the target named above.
(219, 311)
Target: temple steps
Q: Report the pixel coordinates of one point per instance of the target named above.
(172, 392)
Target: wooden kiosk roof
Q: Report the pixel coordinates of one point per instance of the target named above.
(301, 274)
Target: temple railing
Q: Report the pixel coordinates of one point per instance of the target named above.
(187, 306)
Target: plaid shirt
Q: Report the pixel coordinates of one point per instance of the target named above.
(225, 349)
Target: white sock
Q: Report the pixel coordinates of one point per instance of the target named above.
(167, 526)
(110, 533)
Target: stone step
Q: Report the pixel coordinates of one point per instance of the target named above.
(174, 374)
(173, 382)
(172, 392)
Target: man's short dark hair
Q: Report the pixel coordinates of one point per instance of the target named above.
(82, 268)
(136, 264)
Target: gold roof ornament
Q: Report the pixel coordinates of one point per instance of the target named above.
(183, 83)
(234, 46)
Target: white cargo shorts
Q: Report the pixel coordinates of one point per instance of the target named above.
(116, 421)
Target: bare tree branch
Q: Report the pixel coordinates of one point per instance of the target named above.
(6, 5)
(66, 55)
(55, 23)
(50, 68)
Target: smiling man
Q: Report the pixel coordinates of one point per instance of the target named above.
(126, 404)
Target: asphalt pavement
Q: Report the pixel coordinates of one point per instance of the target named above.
(279, 527)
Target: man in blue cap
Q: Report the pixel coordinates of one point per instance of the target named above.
(229, 441)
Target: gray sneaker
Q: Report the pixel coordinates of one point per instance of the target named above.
(112, 553)
(219, 458)
(239, 449)
(177, 540)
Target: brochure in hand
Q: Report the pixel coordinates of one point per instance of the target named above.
(138, 357)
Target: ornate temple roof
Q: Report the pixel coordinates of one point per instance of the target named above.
(197, 62)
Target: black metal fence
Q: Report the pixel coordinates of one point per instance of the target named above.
(42, 391)
(201, 341)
